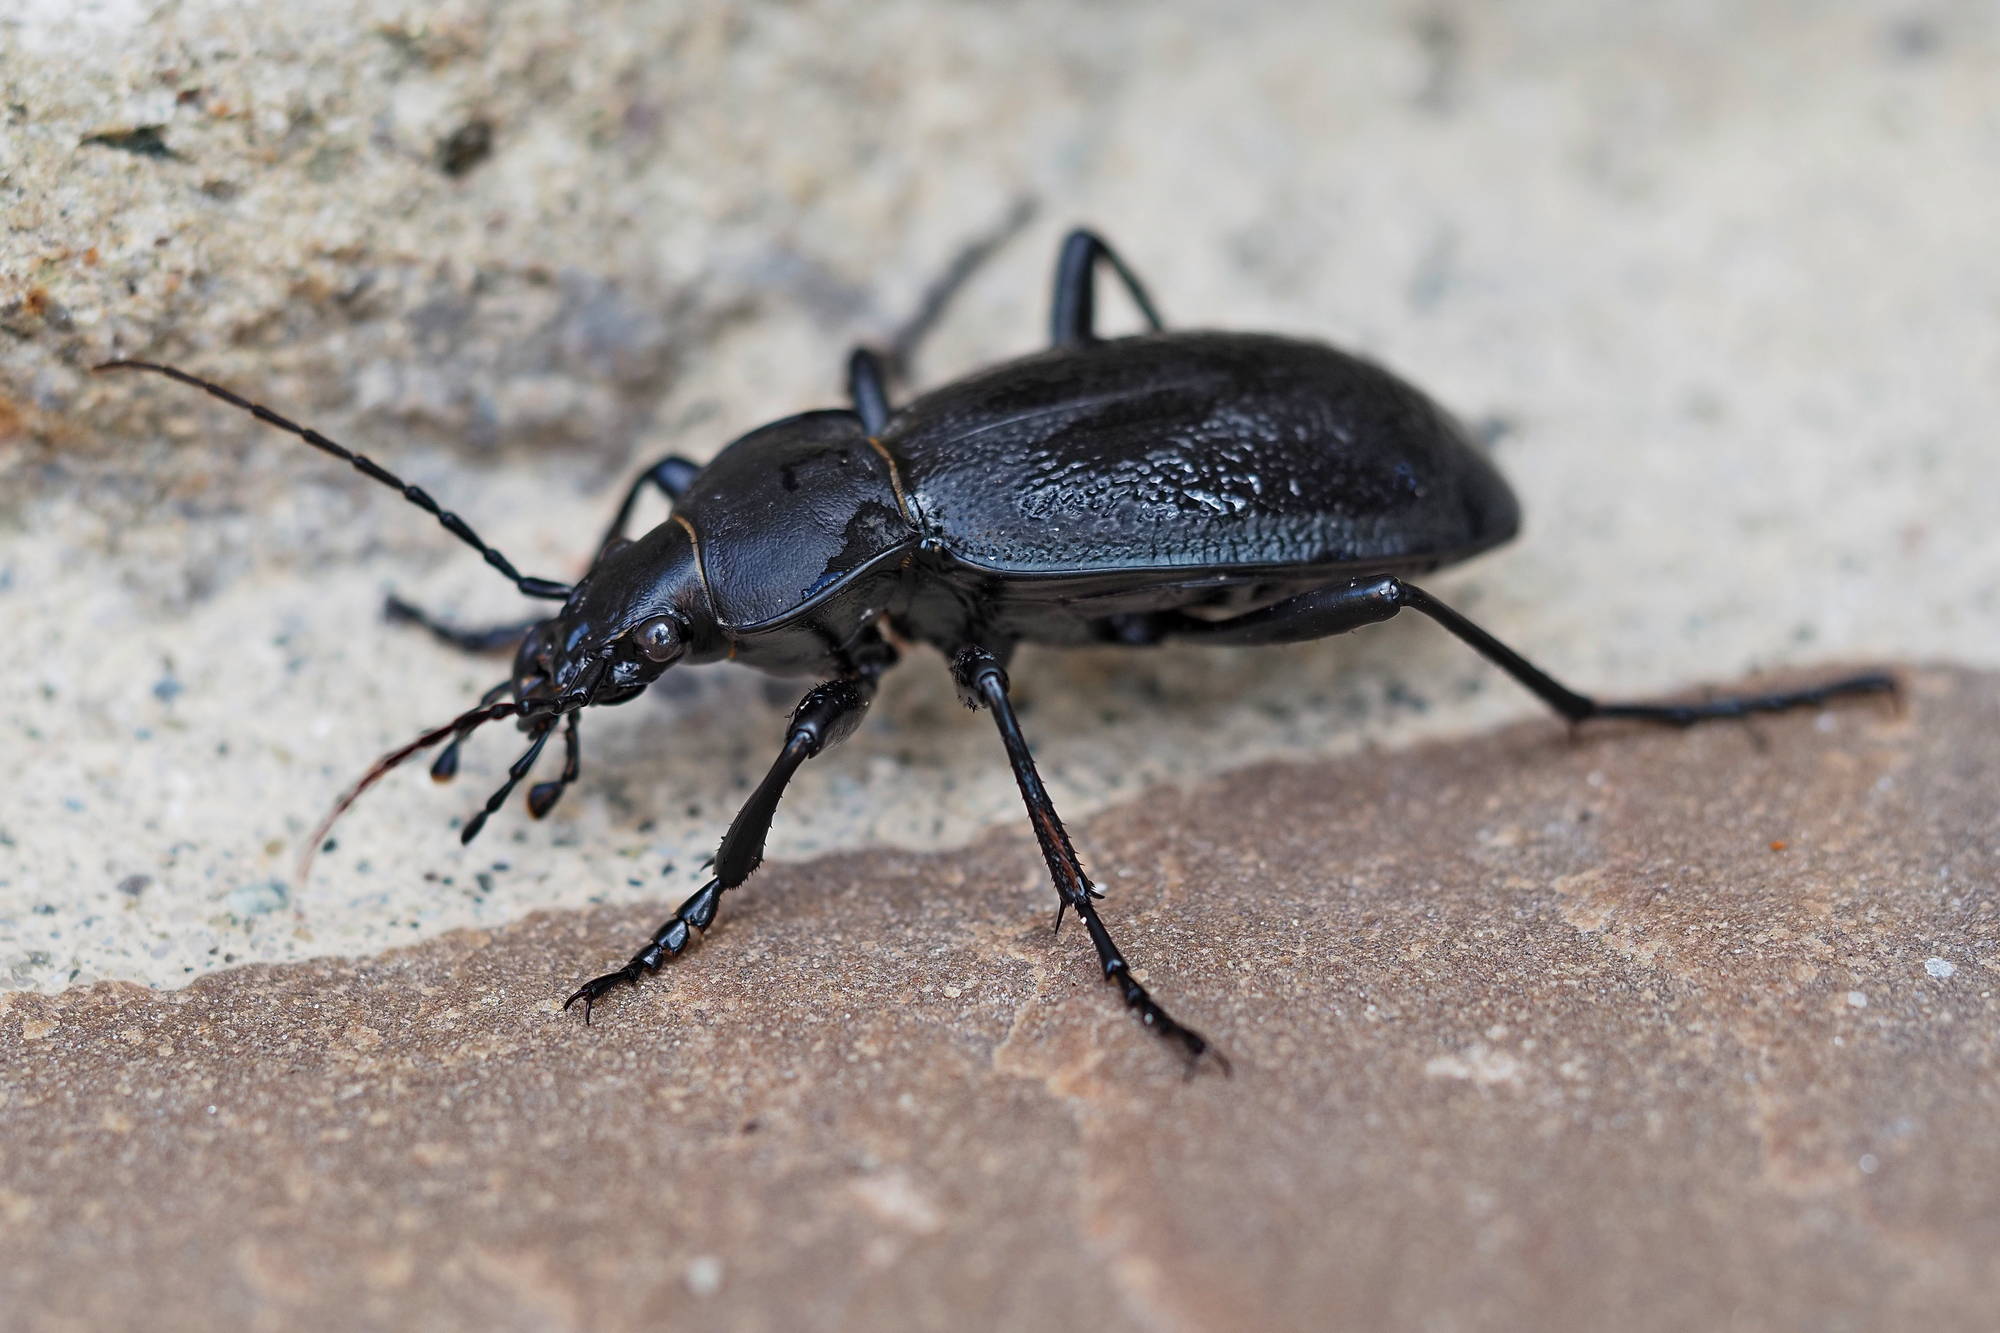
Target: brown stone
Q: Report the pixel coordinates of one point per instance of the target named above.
(1645, 1030)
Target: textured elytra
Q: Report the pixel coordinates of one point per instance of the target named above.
(1184, 450)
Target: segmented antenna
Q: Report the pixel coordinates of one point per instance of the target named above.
(367, 467)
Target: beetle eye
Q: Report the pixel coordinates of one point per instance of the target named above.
(659, 639)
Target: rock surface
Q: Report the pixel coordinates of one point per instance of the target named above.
(1638, 1031)
(1725, 276)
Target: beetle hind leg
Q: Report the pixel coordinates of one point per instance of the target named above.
(1337, 608)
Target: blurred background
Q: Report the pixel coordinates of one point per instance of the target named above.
(1718, 281)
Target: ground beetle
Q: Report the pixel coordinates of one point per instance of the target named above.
(1226, 488)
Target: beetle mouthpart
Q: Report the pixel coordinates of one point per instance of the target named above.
(457, 730)
(445, 767)
(542, 798)
(515, 773)
(583, 691)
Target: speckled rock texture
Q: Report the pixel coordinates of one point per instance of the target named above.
(1629, 1030)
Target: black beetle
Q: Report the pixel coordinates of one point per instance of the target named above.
(1227, 488)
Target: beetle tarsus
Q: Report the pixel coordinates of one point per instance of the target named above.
(590, 992)
(1197, 1047)
(697, 914)
(1062, 904)
(1749, 705)
(982, 681)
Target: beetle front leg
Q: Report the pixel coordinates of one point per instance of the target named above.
(671, 476)
(1337, 608)
(486, 639)
(982, 683)
(827, 716)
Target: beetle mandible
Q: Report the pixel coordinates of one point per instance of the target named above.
(1208, 487)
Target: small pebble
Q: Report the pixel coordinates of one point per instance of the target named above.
(258, 899)
(704, 1275)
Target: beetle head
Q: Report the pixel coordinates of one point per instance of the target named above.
(642, 607)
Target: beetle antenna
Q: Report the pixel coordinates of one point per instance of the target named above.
(458, 727)
(368, 467)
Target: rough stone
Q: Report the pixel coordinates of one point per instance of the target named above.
(1725, 276)
(1633, 1030)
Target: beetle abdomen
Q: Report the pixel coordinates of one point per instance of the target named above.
(1179, 450)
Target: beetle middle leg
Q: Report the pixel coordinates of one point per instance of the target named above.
(868, 388)
(1072, 318)
(1337, 608)
(671, 476)
(826, 716)
(982, 683)
(869, 371)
